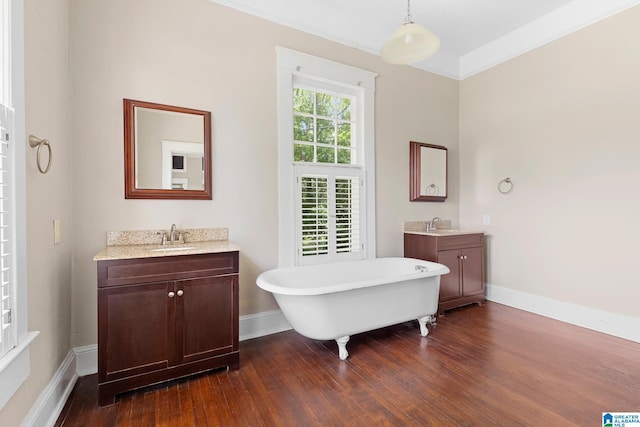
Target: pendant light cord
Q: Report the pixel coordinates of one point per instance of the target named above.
(409, 20)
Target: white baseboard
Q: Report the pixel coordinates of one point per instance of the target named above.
(618, 325)
(251, 326)
(86, 360)
(47, 408)
(83, 361)
(262, 324)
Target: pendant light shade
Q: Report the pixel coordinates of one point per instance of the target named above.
(410, 43)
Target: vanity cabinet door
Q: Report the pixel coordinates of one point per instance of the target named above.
(472, 271)
(135, 333)
(206, 313)
(450, 284)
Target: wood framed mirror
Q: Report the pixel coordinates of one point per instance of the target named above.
(428, 172)
(167, 152)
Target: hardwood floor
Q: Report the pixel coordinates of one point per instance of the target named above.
(479, 366)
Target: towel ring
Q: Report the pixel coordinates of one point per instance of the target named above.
(505, 186)
(37, 142)
(432, 190)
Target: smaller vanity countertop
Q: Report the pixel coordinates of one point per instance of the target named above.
(445, 232)
(148, 244)
(443, 228)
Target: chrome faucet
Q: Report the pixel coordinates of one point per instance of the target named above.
(432, 224)
(174, 236)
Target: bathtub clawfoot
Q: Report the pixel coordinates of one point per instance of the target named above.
(423, 325)
(342, 347)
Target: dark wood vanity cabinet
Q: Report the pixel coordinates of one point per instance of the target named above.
(463, 254)
(164, 318)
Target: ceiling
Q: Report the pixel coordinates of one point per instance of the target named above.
(475, 34)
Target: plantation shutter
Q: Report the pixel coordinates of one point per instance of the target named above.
(313, 216)
(7, 337)
(328, 212)
(347, 214)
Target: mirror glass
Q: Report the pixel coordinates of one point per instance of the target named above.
(167, 151)
(427, 172)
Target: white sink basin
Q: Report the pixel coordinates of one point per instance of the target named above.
(173, 248)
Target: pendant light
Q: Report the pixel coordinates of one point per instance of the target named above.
(410, 43)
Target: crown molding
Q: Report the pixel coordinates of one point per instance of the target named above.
(552, 26)
(559, 23)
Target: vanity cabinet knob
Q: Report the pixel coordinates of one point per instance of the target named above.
(172, 294)
(180, 292)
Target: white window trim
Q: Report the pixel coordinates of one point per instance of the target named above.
(15, 366)
(291, 63)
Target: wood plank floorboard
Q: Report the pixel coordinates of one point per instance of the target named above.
(185, 403)
(488, 365)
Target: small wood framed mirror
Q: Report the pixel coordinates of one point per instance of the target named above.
(167, 152)
(428, 172)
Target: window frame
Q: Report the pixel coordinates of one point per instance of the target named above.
(294, 67)
(15, 365)
(8, 338)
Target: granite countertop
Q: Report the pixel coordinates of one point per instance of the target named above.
(443, 228)
(148, 244)
(151, 251)
(441, 233)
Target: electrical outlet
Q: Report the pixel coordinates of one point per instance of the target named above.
(56, 231)
(486, 219)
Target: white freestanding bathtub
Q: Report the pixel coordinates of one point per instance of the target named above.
(334, 301)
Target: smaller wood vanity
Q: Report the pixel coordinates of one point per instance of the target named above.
(165, 314)
(463, 253)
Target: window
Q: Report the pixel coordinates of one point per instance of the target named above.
(7, 337)
(7, 269)
(323, 126)
(326, 162)
(14, 347)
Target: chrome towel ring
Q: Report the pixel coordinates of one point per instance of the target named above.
(37, 142)
(505, 186)
(432, 190)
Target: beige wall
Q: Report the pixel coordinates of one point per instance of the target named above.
(559, 121)
(562, 122)
(48, 198)
(202, 55)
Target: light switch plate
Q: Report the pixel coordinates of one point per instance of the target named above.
(486, 219)
(56, 231)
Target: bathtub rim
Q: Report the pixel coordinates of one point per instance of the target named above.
(263, 282)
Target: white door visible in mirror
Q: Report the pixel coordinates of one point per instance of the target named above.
(161, 135)
(182, 165)
(433, 172)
